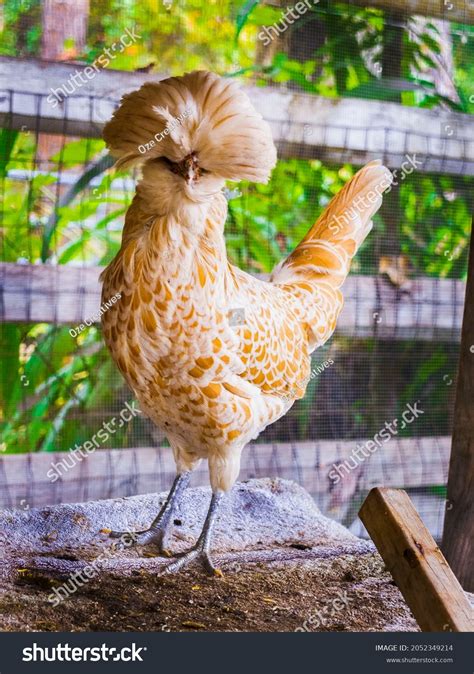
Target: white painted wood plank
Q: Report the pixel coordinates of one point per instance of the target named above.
(123, 472)
(69, 295)
(334, 130)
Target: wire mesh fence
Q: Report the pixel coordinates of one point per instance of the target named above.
(378, 409)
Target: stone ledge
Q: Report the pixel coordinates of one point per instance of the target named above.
(286, 567)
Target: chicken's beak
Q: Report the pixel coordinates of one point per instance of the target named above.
(188, 169)
(190, 175)
(191, 169)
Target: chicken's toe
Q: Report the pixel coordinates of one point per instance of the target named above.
(196, 554)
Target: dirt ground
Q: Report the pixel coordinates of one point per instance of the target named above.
(278, 592)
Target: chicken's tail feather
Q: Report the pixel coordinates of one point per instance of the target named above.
(319, 265)
(326, 251)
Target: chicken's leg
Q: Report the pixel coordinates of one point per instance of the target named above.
(201, 550)
(156, 533)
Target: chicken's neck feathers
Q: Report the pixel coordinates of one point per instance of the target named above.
(183, 248)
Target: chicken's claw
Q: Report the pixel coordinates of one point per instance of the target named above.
(200, 551)
(153, 537)
(198, 554)
(156, 533)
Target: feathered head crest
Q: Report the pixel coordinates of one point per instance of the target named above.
(200, 116)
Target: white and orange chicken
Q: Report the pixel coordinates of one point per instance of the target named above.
(210, 382)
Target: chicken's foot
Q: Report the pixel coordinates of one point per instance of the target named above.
(155, 535)
(201, 550)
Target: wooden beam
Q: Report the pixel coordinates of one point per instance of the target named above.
(417, 565)
(26, 85)
(304, 126)
(68, 295)
(458, 536)
(449, 10)
(38, 76)
(338, 130)
(459, 12)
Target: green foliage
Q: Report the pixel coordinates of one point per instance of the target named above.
(437, 212)
(463, 52)
(48, 377)
(20, 32)
(268, 221)
(57, 378)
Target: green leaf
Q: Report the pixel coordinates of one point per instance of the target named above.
(243, 15)
(79, 152)
(10, 391)
(89, 174)
(431, 43)
(7, 143)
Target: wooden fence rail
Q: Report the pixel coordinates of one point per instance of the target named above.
(305, 126)
(461, 12)
(109, 473)
(67, 295)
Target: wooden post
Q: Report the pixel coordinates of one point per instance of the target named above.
(417, 565)
(458, 535)
(64, 29)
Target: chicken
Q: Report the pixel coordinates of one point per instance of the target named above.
(213, 354)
